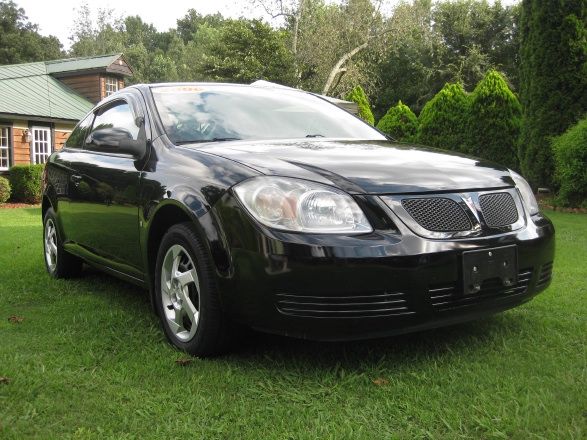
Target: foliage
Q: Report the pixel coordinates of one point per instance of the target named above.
(570, 165)
(553, 77)
(494, 121)
(4, 190)
(399, 122)
(20, 41)
(357, 94)
(444, 119)
(25, 181)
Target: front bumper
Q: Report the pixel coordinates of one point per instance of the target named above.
(388, 282)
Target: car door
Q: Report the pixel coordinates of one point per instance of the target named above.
(104, 201)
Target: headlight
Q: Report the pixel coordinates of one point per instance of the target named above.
(300, 205)
(526, 191)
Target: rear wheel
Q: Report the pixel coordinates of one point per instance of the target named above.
(59, 262)
(186, 296)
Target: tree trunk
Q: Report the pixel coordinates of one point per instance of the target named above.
(337, 67)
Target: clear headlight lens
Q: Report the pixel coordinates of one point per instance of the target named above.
(302, 206)
(527, 194)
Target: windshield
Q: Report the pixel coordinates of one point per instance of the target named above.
(204, 113)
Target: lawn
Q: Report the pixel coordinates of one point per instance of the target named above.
(88, 360)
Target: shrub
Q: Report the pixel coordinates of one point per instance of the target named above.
(4, 190)
(26, 183)
(358, 95)
(399, 122)
(443, 120)
(570, 171)
(494, 121)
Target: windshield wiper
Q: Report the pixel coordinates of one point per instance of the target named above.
(201, 141)
(314, 135)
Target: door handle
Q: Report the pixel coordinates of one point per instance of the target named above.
(75, 179)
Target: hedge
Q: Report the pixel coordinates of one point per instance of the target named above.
(399, 122)
(26, 183)
(4, 189)
(570, 171)
(359, 96)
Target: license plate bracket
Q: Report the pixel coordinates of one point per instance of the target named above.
(481, 265)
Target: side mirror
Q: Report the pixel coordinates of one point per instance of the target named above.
(135, 148)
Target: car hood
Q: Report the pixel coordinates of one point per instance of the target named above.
(368, 167)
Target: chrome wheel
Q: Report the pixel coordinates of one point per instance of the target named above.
(180, 293)
(50, 245)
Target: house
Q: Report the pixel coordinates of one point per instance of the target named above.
(41, 102)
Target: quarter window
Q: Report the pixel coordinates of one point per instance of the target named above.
(42, 146)
(111, 85)
(4, 148)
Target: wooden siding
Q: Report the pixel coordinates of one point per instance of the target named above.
(21, 148)
(89, 86)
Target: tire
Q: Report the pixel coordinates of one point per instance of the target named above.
(58, 262)
(186, 294)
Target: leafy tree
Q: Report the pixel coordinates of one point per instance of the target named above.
(20, 41)
(494, 121)
(399, 122)
(247, 50)
(570, 171)
(188, 26)
(553, 79)
(358, 95)
(443, 120)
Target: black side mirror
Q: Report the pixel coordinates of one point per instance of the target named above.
(135, 148)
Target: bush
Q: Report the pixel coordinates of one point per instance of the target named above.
(26, 183)
(358, 95)
(443, 120)
(494, 121)
(399, 122)
(570, 171)
(4, 190)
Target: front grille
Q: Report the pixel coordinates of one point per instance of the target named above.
(351, 306)
(449, 297)
(437, 214)
(498, 209)
(545, 275)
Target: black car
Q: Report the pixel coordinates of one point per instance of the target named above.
(275, 209)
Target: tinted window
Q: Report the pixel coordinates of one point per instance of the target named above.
(203, 113)
(112, 124)
(79, 133)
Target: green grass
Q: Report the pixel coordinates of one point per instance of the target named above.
(89, 361)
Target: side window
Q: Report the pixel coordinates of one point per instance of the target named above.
(79, 133)
(111, 125)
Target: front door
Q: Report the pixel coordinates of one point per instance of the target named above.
(105, 195)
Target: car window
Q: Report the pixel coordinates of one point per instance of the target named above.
(111, 124)
(79, 133)
(214, 113)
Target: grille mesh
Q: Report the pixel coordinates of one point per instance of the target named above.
(437, 214)
(499, 209)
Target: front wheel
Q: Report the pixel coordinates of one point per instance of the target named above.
(186, 296)
(59, 263)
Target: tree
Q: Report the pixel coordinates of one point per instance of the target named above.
(494, 121)
(247, 50)
(443, 120)
(358, 95)
(570, 172)
(553, 79)
(20, 41)
(399, 122)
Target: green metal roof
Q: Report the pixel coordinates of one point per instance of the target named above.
(30, 90)
(83, 63)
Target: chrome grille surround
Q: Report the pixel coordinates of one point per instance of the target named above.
(470, 204)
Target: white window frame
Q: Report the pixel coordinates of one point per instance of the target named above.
(41, 144)
(5, 133)
(110, 85)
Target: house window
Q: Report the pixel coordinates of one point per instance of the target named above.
(41, 144)
(111, 85)
(4, 148)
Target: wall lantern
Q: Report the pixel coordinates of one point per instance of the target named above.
(28, 136)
